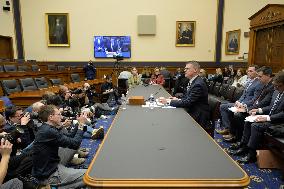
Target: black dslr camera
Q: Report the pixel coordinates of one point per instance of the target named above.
(77, 91)
(13, 136)
(118, 57)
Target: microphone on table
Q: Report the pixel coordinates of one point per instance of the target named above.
(152, 95)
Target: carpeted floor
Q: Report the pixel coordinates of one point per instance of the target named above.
(260, 178)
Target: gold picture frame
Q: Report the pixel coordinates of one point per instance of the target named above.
(185, 33)
(232, 46)
(57, 29)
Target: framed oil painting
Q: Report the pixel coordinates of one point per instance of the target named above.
(232, 45)
(57, 29)
(185, 33)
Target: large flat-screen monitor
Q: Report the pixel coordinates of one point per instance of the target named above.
(112, 46)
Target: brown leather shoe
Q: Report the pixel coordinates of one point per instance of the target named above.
(77, 161)
(82, 154)
(223, 132)
(228, 136)
(98, 133)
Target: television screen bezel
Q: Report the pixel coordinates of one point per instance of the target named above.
(111, 36)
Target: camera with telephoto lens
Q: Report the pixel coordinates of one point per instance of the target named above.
(13, 135)
(77, 91)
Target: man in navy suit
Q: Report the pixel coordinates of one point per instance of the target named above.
(250, 94)
(195, 98)
(253, 132)
(265, 77)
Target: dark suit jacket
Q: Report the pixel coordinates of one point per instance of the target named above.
(251, 93)
(277, 115)
(195, 101)
(264, 98)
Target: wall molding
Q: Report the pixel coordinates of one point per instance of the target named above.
(204, 64)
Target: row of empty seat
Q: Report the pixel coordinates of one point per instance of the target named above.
(221, 93)
(33, 67)
(30, 84)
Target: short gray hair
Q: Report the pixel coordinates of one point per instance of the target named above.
(195, 64)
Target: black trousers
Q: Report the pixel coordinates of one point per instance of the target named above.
(253, 134)
(237, 125)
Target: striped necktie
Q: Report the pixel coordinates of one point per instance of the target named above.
(249, 84)
(277, 99)
(188, 86)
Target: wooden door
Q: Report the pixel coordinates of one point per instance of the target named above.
(269, 48)
(6, 48)
(277, 48)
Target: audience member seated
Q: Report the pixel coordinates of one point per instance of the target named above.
(180, 85)
(195, 98)
(250, 94)
(178, 73)
(166, 73)
(146, 72)
(240, 79)
(157, 78)
(46, 166)
(203, 75)
(264, 98)
(134, 79)
(125, 74)
(265, 117)
(218, 77)
(228, 75)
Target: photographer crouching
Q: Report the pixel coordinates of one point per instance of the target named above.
(48, 139)
(5, 151)
(21, 135)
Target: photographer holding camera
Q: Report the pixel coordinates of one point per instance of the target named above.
(11, 166)
(110, 92)
(5, 151)
(46, 166)
(16, 126)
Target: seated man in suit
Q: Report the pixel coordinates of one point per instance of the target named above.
(265, 77)
(195, 98)
(250, 94)
(253, 132)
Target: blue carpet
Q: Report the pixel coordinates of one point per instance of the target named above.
(260, 178)
(94, 144)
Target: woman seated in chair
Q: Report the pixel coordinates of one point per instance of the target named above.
(239, 79)
(157, 78)
(134, 79)
(218, 77)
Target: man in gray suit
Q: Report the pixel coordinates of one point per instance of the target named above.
(250, 94)
(274, 115)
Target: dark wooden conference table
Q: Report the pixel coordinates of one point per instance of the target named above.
(160, 148)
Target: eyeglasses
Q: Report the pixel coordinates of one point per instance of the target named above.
(186, 69)
(277, 85)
